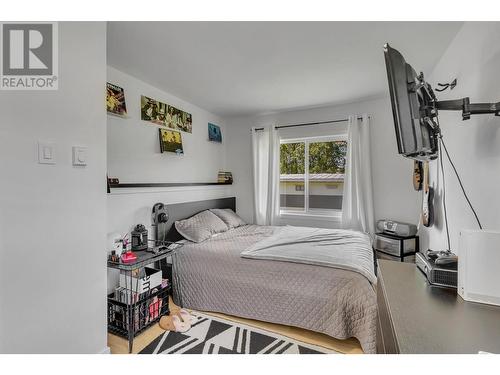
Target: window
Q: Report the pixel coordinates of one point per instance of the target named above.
(292, 181)
(312, 175)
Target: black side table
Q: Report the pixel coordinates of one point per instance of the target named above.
(139, 311)
(392, 247)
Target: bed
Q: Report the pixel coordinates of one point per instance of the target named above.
(212, 276)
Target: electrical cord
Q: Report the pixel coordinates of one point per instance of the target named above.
(444, 194)
(459, 179)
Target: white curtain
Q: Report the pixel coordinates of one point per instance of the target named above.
(265, 150)
(357, 206)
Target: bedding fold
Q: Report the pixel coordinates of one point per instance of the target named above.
(337, 248)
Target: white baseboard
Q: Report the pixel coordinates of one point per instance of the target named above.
(106, 350)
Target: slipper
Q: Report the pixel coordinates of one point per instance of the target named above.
(179, 325)
(166, 323)
(174, 323)
(187, 317)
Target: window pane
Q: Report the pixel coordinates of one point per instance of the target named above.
(292, 166)
(326, 174)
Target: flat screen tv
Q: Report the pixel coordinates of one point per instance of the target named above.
(411, 99)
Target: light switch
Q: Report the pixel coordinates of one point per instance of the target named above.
(46, 153)
(79, 155)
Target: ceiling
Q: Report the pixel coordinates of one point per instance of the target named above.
(247, 68)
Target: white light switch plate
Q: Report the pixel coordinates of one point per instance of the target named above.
(79, 155)
(46, 153)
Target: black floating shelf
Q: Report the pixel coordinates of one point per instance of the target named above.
(165, 184)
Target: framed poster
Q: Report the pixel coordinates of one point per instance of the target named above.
(165, 115)
(115, 100)
(214, 133)
(171, 141)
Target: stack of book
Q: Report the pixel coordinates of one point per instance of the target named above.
(147, 306)
(225, 177)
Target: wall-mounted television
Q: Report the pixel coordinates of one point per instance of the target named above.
(416, 133)
(415, 108)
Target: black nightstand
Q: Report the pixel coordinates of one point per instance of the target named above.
(391, 247)
(139, 310)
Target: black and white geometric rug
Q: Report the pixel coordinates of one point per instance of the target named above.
(212, 335)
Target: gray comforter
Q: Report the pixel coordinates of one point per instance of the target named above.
(211, 276)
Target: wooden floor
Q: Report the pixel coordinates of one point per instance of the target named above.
(119, 345)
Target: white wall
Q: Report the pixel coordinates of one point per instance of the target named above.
(53, 217)
(473, 58)
(134, 156)
(133, 145)
(394, 196)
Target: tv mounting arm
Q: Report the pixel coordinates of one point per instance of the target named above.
(430, 105)
(468, 108)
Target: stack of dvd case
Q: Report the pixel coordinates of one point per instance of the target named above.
(224, 177)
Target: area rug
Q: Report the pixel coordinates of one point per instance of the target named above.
(213, 335)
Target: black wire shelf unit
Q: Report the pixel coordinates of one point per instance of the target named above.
(133, 309)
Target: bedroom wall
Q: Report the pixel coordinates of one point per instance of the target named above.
(474, 145)
(394, 196)
(134, 149)
(134, 156)
(53, 217)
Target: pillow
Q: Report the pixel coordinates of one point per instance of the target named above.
(229, 217)
(200, 227)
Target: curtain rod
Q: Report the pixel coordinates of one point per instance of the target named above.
(310, 123)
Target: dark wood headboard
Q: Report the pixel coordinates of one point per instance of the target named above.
(180, 211)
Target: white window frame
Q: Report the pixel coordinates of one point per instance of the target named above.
(330, 215)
